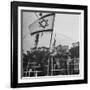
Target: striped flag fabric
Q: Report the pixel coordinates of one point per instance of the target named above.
(42, 24)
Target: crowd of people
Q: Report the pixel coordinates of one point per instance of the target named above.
(41, 62)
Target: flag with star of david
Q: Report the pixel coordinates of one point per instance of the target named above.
(43, 24)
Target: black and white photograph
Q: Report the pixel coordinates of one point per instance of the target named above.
(50, 44)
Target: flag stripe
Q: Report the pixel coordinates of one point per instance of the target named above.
(48, 30)
(51, 14)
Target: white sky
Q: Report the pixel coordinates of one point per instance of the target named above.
(66, 26)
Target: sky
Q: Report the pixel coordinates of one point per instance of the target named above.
(66, 26)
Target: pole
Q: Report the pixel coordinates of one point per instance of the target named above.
(52, 32)
(52, 65)
(51, 58)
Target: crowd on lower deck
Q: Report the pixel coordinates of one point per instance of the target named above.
(41, 62)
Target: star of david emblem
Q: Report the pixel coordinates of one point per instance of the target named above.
(43, 23)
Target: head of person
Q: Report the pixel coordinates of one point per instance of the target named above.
(74, 44)
(28, 52)
(77, 43)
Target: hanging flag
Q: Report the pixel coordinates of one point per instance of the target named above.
(43, 24)
(36, 40)
(53, 42)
